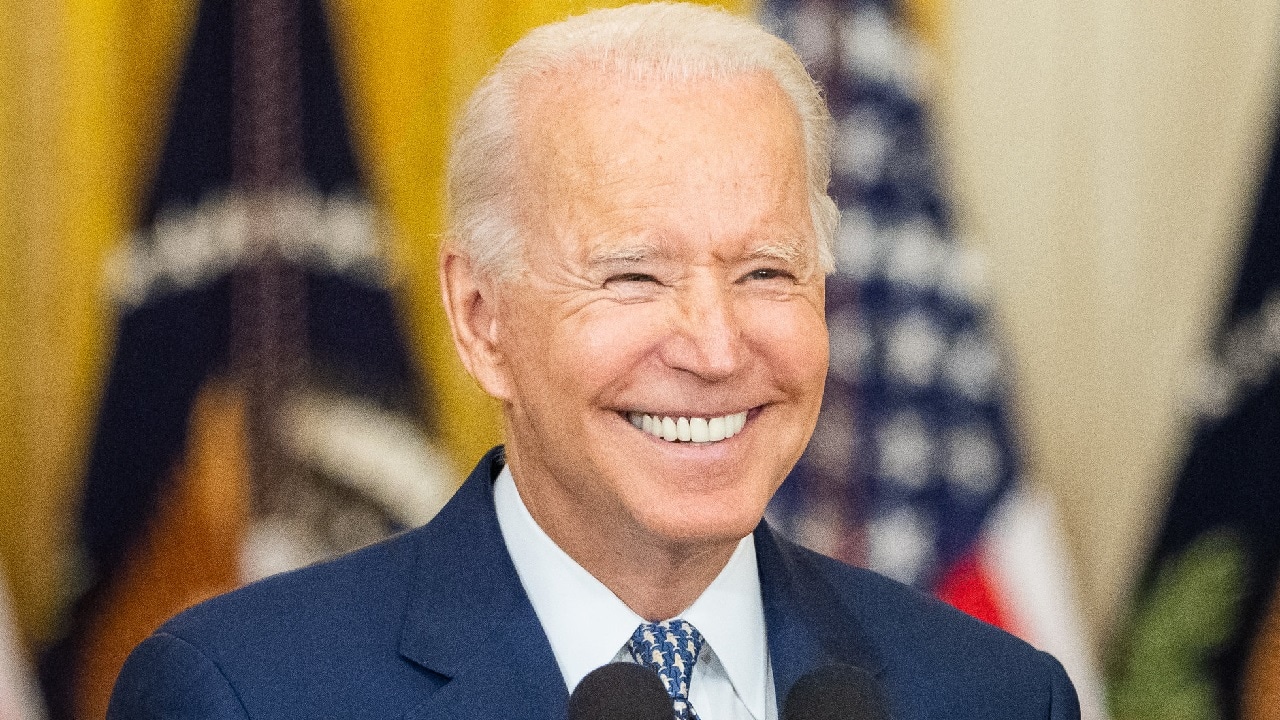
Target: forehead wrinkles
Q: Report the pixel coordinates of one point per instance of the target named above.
(599, 145)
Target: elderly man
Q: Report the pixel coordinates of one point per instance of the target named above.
(639, 237)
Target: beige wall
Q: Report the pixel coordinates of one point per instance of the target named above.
(1103, 155)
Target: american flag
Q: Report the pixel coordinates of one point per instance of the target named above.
(913, 470)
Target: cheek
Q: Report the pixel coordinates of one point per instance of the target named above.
(586, 352)
(527, 346)
(793, 338)
(611, 341)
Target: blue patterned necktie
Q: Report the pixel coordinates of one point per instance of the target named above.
(669, 648)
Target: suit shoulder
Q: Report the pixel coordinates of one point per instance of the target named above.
(903, 617)
(326, 636)
(362, 590)
(934, 656)
(166, 677)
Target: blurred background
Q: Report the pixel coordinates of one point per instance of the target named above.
(1054, 397)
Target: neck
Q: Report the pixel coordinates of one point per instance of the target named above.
(657, 579)
(662, 586)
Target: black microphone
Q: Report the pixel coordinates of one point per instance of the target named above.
(835, 692)
(620, 691)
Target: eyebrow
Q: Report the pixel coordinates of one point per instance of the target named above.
(621, 254)
(788, 251)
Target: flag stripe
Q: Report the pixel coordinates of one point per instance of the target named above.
(969, 587)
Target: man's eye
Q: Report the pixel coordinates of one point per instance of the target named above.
(631, 277)
(767, 274)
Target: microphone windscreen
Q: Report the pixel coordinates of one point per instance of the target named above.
(835, 692)
(620, 691)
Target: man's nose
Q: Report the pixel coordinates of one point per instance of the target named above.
(707, 340)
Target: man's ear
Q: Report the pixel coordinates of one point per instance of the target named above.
(471, 305)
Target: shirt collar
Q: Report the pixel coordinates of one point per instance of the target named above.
(583, 620)
(730, 616)
(586, 623)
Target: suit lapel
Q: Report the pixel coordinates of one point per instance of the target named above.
(806, 622)
(469, 620)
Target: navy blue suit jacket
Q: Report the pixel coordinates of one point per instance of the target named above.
(434, 624)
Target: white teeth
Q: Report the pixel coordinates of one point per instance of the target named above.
(668, 429)
(715, 429)
(686, 429)
(682, 429)
(698, 430)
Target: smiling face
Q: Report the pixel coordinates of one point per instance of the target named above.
(672, 282)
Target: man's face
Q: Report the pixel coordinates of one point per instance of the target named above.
(672, 272)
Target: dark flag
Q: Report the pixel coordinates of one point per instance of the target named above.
(1203, 640)
(261, 410)
(913, 469)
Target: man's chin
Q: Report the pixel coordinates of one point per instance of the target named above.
(700, 523)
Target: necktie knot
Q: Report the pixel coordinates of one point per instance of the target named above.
(669, 648)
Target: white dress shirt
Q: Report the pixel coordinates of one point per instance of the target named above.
(588, 626)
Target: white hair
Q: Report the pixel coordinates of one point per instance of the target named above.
(674, 41)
